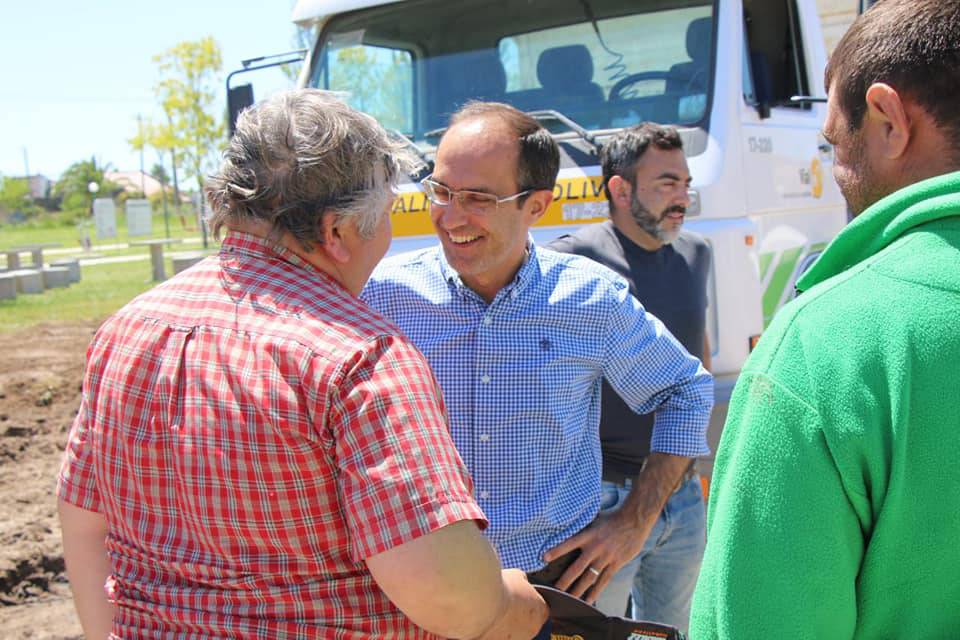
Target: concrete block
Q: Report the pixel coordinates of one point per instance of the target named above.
(72, 264)
(29, 280)
(56, 277)
(13, 260)
(8, 286)
(183, 261)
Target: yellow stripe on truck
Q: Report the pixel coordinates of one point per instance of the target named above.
(576, 201)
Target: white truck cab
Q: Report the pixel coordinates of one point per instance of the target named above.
(731, 75)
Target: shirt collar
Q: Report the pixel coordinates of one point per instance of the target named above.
(249, 245)
(884, 222)
(528, 273)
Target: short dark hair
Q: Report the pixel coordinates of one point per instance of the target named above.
(621, 152)
(300, 154)
(539, 159)
(912, 45)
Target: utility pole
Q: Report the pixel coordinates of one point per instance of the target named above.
(176, 184)
(26, 165)
(166, 213)
(143, 184)
(203, 218)
(163, 196)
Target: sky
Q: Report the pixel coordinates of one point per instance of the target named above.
(75, 75)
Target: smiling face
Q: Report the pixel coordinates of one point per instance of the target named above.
(487, 250)
(659, 200)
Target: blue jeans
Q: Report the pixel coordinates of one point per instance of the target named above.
(661, 579)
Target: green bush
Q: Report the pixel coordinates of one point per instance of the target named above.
(53, 220)
(122, 198)
(156, 201)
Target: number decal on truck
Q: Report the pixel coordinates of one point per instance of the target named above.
(760, 144)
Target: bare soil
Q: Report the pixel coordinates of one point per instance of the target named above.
(40, 374)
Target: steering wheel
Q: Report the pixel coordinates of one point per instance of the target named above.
(634, 78)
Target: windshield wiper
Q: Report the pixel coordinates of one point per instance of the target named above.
(552, 114)
(427, 166)
(541, 115)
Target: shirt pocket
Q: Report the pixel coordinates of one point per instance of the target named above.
(567, 379)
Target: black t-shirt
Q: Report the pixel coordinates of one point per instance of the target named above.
(671, 283)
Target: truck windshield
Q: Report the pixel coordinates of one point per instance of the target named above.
(602, 63)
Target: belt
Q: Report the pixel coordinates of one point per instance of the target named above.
(624, 480)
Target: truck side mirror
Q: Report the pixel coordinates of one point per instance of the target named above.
(238, 98)
(241, 96)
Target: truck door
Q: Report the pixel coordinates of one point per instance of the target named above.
(786, 162)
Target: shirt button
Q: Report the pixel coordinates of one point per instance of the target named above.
(484, 437)
(484, 494)
(484, 379)
(487, 320)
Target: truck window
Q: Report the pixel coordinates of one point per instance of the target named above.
(602, 63)
(375, 80)
(573, 67)
(774, 52)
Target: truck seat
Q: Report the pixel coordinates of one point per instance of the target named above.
(566, 75)
(691, 77)
(470, 75)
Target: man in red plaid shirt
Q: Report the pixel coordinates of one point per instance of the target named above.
(257, 453)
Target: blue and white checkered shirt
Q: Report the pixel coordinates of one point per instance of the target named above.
(521, 379)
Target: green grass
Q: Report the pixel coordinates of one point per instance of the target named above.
(102, 290)
(69, 235)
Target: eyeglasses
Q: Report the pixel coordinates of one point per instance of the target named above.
(476, 202)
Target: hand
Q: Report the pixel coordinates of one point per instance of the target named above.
(524, 613)
(614, 539)
(610, 542)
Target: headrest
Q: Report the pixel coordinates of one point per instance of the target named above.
(486, 64)
(473, 74)
(699, 35)
(565, 66)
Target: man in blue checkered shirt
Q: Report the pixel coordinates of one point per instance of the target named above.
(520, 338)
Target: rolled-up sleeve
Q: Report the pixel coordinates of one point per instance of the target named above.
(652, 372)
(77, 479)
(400, 476)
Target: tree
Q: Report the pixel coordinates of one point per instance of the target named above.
(162, 138)
(74, 184)
(190, 79)
(159, 172)
(15, 196)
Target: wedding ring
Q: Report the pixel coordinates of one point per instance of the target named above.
(593, 571)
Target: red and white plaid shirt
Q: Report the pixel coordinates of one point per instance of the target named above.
(252, 432)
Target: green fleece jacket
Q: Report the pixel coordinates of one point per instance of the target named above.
(835, 504)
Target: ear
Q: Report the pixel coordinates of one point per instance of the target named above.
(332, 230)
(620, 191)
(539, 202)
(889, 120)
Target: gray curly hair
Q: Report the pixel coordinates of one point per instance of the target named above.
(299, 155)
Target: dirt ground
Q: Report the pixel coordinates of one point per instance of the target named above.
(40, 375)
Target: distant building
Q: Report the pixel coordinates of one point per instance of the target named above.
(39, 185)
(135, 181)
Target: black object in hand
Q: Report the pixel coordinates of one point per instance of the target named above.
(574, 619)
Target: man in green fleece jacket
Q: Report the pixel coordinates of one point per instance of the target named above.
(835, 509)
